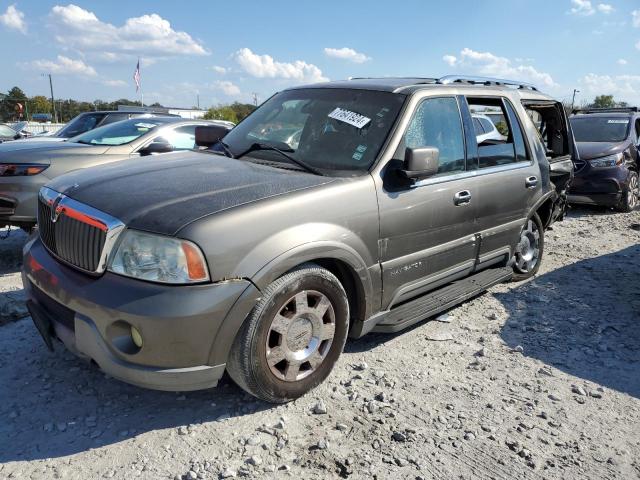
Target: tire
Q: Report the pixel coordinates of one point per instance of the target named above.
(528, 253)
(630, 195)
(293, 337)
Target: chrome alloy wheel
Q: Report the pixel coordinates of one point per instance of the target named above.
(300, 335)
(527, 253)
(633, 192)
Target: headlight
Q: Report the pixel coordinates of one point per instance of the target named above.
(20, 169)
(158, 259)
(608, 161)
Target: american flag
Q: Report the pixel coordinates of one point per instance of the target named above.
(136, 76)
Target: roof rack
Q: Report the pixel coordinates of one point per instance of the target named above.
(449, 79)
(607, 110)
(421, 79)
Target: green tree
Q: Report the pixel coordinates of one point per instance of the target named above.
(603, 101)
(223, 112)
(232, 113)
(9, 103)
(39, 104)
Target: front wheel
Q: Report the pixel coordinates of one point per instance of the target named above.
(630, 195)
(528, 252)
(293, 337)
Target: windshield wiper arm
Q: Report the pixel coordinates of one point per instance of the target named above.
(265, 146)
(225, 147)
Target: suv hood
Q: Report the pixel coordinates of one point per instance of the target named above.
(164, 193)
(590, 150)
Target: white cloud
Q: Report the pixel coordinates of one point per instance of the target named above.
(582, 7)
(114, 83)
(605, 8)
(62, 66)
(622, 61)
(219, 69)
(147, 36)
(264, 66)
(227, 87)
(346, 54)
(635, 18)
(13, 19)
(488, 64)
(450, 60)
(622, 87)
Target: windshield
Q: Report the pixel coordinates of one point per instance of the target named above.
(6, 131)
(600, 129)
(118, 133)
(79, 125)
(329, 129)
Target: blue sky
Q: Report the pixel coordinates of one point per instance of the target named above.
(226, 51)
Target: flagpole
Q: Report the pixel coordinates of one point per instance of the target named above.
(141, 93)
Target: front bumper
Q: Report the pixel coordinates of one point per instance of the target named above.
(178, 324)
(598, 186)
(19, 199)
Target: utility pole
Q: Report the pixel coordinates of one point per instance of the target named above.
(573, 100)
(54, 117)
(255, 98)
(198, 100)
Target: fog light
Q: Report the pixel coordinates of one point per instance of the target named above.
(136, 337)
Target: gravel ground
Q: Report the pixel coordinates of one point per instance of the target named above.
(532, 380)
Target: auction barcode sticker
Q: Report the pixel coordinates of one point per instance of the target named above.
(347, 116)
(618, 121)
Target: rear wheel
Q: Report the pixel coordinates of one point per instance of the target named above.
(293, 337)
(631, 195)
(528, 253)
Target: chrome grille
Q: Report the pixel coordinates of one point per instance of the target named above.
(76, 233)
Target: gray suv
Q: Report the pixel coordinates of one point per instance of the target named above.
(333, 210)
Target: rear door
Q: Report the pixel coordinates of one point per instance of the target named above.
(427, 227)
(508, 182)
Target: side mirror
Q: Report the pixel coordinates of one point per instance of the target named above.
(160, 145)
(209, 135)
(420, 162)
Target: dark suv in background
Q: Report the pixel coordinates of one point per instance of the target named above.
(89, 120)
(607, 170)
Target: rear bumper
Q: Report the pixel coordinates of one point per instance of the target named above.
(92, 317)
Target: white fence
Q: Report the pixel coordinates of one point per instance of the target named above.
(36, 127)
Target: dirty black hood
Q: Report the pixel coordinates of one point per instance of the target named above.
(590, 150)
(164, 193)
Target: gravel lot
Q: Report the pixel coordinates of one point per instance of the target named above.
(532, 380)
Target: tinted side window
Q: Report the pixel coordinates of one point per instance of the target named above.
(114, 117)
(518, 136)
(477, 126)
(437, 123)
(486, 124)
(182, 138)
(499, 149)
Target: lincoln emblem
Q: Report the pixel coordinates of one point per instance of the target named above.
(56, 210)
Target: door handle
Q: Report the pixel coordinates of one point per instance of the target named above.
(462, 198)
(531, 182)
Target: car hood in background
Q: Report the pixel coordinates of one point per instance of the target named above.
(23, 152)
(590, 150)
(42, 138)
(164, 193)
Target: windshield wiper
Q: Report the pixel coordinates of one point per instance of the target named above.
(265, 146)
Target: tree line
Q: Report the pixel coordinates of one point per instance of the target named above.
(66, 109)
